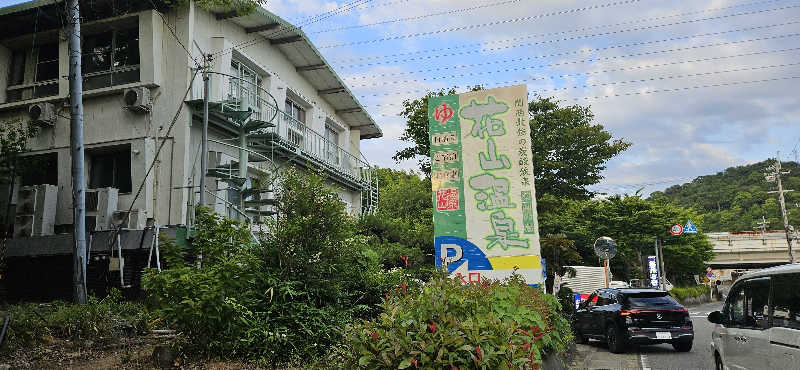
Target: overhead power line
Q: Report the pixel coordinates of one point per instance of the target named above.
(283, 29)
(579, 37)
(580, 61)
(573, 52)
(524, 80)
(481, 25)
(676, 89)
(639, 80)
(686, 88)
(481, 44)
(406, 19)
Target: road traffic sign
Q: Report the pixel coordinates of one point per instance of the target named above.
(676, 229)
(689, 228)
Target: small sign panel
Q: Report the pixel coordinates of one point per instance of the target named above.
(689, 228)
(676, 229)
(652, 266)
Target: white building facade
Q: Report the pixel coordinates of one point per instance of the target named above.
(275, 103)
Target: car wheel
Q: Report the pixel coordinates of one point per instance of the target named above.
(616, 343)
(718, 362)
(580, 338)
(682, 346)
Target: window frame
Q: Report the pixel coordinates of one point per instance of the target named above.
(112, 69)
(772, 306)
(115, 152)
(332, 152)
(746, 309)
(27, 89)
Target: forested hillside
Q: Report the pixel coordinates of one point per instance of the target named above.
(737, 198)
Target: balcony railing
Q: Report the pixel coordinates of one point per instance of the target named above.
(297, 135)
(286, 132)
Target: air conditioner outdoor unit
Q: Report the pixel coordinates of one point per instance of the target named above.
(137, 219)
(101, 204)
(23, 226)
(42, 113)
(137, 99)
(36, 210)
(26, 200)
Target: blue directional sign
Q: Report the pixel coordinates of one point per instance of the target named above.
(689, 228)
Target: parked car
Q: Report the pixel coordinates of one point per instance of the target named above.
(634, 316)
(759, 325)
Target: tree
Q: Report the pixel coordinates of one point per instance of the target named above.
(242, 7)
(569, 150)
(635, 223)
(416, 113)
(402, 226)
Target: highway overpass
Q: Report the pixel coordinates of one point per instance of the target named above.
(741, 251)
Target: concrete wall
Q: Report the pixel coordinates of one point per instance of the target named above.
(166, 70)
(281, 77)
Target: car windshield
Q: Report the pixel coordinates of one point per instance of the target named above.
(650, 300)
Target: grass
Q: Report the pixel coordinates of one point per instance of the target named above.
(99, 320)
(682, 293)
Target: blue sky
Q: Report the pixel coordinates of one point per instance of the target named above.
(661, 56)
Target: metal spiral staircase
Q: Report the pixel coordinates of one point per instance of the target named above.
(263, 133)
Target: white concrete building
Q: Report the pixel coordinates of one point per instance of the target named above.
(275, 102)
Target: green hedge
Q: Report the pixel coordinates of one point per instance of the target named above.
(682, 293)
(445, 324)
(100, 320)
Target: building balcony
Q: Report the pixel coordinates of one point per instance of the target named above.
(278, 135)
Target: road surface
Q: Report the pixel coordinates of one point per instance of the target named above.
(664, 357)
(595, 355)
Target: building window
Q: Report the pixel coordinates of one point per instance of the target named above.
(111, 168)
(331, 145)
(296, 119)
(37, 82)
(110, 58)
(245, 88)
(38, 169)
(295, 111)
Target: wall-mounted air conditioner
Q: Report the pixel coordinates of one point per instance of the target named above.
(100, 205)
(42, 113)
(137, 219)
(36, 210)
(137, 99)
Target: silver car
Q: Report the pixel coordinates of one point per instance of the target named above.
(759, 325)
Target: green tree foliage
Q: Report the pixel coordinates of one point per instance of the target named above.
(737, 198)
(446, 325)
(241, 6)
(635, 223)
(569, 150)
(403, 225)
(279, 299)
(416, 132)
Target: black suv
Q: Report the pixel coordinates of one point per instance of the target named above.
(634, 316)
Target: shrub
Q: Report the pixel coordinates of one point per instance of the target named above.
(279, 299)
(682, 293)
(445, 324)
(99, 320)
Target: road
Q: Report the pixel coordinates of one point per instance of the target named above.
(664, 357)
(659, 357)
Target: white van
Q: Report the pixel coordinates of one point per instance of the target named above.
(759, 325)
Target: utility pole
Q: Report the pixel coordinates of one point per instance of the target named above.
(76, 150)
(763, 226)
(204, 144)
(777, 177)
(660, 258)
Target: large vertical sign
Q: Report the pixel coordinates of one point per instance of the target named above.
(484, 213)
(652, 267)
